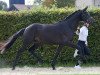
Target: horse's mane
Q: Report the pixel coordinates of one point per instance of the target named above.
(70, 15)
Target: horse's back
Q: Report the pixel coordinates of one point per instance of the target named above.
(45, 33)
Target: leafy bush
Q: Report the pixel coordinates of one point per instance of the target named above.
(11, 22)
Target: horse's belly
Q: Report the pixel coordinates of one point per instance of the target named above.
(51, 39)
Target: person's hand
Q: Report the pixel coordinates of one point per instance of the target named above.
(78, 28)
(86, 44)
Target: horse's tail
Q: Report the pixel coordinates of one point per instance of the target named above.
(6, 45)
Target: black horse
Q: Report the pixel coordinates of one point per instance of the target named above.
(60, 33)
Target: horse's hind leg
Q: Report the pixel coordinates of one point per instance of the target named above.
(32, 52)
(55, 57)
(26, 43)
(17, 56)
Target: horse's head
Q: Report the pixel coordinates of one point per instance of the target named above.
(86, 17)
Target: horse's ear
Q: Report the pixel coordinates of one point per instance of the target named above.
(85, 8)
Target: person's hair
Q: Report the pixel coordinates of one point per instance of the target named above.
(85, 24)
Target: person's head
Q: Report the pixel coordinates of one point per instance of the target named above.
(86, 24)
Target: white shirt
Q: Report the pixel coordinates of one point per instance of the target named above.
(83, 34)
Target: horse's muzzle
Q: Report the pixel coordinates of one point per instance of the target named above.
(90, 20)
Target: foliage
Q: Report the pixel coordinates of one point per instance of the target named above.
(59, 3)
(10, 22)
(37, 2)
(3, 5)
(48, 3)
(63, 3)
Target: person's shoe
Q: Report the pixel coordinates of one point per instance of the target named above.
(77, 67)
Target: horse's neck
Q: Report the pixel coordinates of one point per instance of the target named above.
(73, 22)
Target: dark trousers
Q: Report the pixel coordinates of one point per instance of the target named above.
(85, 51)
(84, 48)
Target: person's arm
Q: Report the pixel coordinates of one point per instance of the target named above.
(78, 31)
(86, 43)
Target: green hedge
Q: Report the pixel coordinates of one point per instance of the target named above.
(10, 22)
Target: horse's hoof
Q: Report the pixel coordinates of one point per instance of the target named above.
(54, 68)
(13, 68)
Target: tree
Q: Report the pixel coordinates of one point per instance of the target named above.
(63, 3)
(48, 3)
(59, 3)
(3, 5)
(37, 2)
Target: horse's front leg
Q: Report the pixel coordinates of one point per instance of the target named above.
(53, 62)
